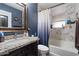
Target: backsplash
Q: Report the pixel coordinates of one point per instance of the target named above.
(13, 36)
(12, 33)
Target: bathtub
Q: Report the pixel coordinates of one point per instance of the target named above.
(56, 51)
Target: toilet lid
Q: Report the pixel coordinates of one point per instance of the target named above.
(43, 48)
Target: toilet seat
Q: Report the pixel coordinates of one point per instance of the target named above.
(43, 48)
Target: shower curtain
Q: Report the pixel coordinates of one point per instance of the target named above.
(44, 26)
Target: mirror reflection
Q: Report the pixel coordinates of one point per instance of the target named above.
(11, 15)
(3, 21)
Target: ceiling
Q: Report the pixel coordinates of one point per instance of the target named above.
(14, 5)
(60, 9)
(43, 6)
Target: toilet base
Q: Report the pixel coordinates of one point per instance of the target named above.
(42, 50)
(43, 53)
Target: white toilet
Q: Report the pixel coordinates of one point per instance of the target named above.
(43, 50)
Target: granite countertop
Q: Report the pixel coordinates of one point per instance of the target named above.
(13, 44)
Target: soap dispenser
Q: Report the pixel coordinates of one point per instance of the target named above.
(26, 34)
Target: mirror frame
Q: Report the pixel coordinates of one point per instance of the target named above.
(14, 29)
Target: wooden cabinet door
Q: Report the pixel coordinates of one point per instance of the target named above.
(77, 35)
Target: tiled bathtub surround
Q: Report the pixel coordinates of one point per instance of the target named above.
(63, 38)
(69, 34)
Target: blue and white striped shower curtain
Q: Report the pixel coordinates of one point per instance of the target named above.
(44, 26)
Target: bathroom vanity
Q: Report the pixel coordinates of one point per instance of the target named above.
(24, 46)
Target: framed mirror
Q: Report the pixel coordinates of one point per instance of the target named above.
(13, 16)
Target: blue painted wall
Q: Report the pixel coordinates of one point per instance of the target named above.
(33, 24)
(15, 13)
(32, 18)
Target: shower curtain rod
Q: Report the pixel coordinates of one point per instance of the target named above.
(54, 6)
